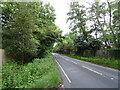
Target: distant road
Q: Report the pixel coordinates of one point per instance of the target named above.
(81, 74)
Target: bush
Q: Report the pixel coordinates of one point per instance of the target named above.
(114, 53)
(81, 45)
(18, 39)
(113, 63)
(29, 30)
(41, 73)
(95, 45)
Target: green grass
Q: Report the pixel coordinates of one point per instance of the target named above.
(97, 60)
(41, 73)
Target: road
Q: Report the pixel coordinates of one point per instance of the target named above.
(81, 74)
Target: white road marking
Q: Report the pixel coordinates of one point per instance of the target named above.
(112, 78)
(69, 60)
(104, 76)
(82, 61)
(91, 64)
(92, 70)
(96, 72)
(64, 72)
(62, 86)
(74, 62)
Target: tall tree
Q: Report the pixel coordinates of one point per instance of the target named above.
(29, 29)
(18, 40)
(77, 18)
(116, 23)
(98, 14)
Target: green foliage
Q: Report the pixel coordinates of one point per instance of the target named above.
(95, 45)
(77, 18)
(101, 32)
(41, 73)
(65, 45)
(114, 53)
(81, 45)
(99, 15)
(113, 63)
(17, 33)
(116, 13)
(72, 44)
(28, 29)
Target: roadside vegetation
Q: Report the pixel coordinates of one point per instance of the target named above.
(113, 63)
(28, 35)
(28, 30)
(101, 34)
(40, 73)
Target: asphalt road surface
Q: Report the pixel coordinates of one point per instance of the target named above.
(81, 74)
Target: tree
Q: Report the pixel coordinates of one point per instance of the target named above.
(95, 45)
(66, 45)
(47, 32)
(81, 45)
(98, 14)
(77, 18)
(116, 27)
(29, 29)
(18, 40)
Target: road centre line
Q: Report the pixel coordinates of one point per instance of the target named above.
(69, 60)
(64, 72)
(111, 78)
(92, 70)
(107, 68)
(96, 72)
(74, 62)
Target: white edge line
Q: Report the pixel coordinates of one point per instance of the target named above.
(92, 70)
(64, 72)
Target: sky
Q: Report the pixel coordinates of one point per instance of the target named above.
(61, 10)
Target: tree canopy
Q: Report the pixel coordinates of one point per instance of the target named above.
(93, 28)
(28, 29)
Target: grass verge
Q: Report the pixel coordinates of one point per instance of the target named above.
(41, 73)
(97, 60)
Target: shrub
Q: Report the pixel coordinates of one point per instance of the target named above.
(17, 32)
(81, 45)
(41, 73)
(114, 53)
(95, 45)
(29, 30)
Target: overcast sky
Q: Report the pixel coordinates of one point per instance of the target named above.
(61, 9)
